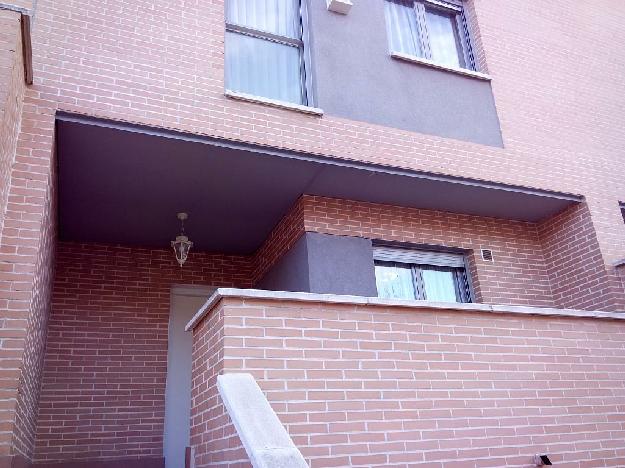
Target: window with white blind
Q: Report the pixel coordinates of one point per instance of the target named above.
(421, 275)
(265, 49)
(434, 30)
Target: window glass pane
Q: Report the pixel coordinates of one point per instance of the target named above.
(439, 285)
(279, 17)
(401, 24)
(394, 281)
(263, 68)
(443, 38)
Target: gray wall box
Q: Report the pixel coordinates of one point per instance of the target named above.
(355, 77)
(326, 264)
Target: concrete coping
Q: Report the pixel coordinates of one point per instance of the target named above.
(262, 434)
(222, 293)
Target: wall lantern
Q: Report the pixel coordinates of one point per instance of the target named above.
(182, 244)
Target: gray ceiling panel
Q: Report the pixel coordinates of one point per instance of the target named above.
(125, 184)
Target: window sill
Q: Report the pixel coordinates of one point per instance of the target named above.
(273, 103)
(620, 264)
(429, 63)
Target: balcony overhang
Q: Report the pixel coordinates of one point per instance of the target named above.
(122, 183)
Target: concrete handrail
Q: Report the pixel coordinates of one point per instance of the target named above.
(263, 436)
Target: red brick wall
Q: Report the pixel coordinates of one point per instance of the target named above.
(579, 278)
(212, 432)
(517, 276)
(161, 63)
(11, 96)
(393, 386)
(11, 93)
(544, 108)
(36, 333)
(283, 236)
(106, 358)
(555, 263)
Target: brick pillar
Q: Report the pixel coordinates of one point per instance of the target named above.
(579, 260)
(26, 263)
(11, 97)
(213, 437)
(27, 214)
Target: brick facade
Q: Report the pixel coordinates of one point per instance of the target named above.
(12, 89)
(161, 64)
(379, 386)
(213, 435)
(554, 263)
(578, 275)
(103, 387)
(27, 223)
(517, 276)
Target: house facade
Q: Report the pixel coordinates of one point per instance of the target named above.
(407, 225)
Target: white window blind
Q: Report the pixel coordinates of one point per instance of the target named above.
(418, 257)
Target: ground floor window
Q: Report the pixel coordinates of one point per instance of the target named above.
(421, 275)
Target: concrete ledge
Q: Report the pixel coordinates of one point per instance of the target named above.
(429, 63)
(376, 301)
(273, 103)
(264, 437)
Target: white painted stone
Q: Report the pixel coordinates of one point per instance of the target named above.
(430, 63)
(376, 301)
(264, 437)
(339, 6)
(273, 102)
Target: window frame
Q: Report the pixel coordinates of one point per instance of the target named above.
(463, 39)
(301, 44)
(420, 260)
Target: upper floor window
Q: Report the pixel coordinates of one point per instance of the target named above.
(431, 29)
(265, 49)
(421, 275)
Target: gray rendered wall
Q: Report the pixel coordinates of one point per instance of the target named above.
(341, 265)
(355, 77)
(323, 263)
(290, 272)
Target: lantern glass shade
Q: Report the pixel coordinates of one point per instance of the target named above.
(181, 247)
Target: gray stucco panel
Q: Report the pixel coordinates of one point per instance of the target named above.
(327, 264)
(290, 272)
(341, 265)
(355, 77)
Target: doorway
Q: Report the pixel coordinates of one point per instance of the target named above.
(185, 302)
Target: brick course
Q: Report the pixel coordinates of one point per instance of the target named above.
(11, 97)
(517, 276)
(103, 387)
(212, 432)
(161, 64)
(578, 275)
(391, 386)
